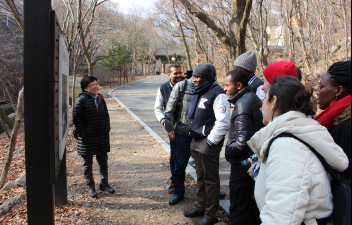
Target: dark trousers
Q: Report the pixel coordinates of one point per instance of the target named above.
(243, 209)
(183, 152)
(88, 169)
(206, 160)
(172, 158)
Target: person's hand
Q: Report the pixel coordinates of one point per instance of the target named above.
(82, 135)
(172, 135)
(250, 171)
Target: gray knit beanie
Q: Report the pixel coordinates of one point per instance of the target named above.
(206, 70)
(247, 61)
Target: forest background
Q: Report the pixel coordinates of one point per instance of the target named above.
(105, 41)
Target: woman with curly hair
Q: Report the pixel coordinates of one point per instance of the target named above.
(334, 97)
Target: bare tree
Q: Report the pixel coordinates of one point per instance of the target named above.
(13, 138)
(84, 32)
(182, 37)
(257, 29)
(343, 5)
(15, 13)
(18, 117)
(237, 24)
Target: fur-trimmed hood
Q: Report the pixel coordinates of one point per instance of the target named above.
(345, 115)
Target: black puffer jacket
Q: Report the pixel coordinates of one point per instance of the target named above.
(246, 120)
(341, 132)
(95, 124)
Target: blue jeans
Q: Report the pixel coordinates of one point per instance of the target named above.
(182, 154)
(172, 158)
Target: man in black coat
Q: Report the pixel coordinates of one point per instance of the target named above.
(246, 120)
(92, 122)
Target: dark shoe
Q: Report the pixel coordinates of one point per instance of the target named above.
(107, 188)
(171, 189)
(175, 200)
(92, 193)
(222, 195)
(193, 213)
(205, 221)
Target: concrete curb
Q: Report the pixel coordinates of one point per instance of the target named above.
(224, 204)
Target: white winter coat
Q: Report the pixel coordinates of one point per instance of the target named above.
(293, 186)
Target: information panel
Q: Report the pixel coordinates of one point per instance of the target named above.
(63, 95)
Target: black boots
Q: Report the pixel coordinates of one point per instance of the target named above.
(92, 193)
(106, 188)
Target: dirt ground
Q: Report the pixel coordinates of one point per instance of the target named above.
(138, 170)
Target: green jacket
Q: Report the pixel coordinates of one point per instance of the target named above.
(179, 112)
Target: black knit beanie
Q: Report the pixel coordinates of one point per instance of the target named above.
(205, 70)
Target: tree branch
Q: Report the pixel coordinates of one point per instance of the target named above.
(194, 9)
(15, 14)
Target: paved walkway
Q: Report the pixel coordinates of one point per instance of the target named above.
(140, 97)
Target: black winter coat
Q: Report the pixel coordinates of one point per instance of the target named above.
(341, 132)
(246, 120)
(95, 124)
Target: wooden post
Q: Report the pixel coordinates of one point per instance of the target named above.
(37, 82)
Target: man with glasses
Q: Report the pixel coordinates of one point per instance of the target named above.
(162, 98)
(92, 123)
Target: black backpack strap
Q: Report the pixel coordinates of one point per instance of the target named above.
(321, 158)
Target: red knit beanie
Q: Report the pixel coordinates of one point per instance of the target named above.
(280, 69)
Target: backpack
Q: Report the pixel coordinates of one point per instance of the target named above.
(340, 187)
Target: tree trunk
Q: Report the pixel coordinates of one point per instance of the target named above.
(343, 3)
(188, 56)
(5, 129)
(235, 43)
(5, 118)
(91, 69)
(8, 93)
(199, 40)
(76, 59)
(125, 74)
(15, 13)
(263, 57)
(13, 138)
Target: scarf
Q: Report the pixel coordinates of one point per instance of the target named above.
(196, 95)
(327, 117)
(95, 100)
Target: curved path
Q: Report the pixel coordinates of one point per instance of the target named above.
(138, 98)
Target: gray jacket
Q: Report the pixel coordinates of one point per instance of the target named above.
(181, 125)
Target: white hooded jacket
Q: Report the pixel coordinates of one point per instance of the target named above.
(292, 185)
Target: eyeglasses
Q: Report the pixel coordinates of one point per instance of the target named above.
(94, 85)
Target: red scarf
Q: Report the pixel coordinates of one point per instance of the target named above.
(327, 117)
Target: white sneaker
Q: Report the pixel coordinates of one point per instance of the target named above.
(191, 160)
